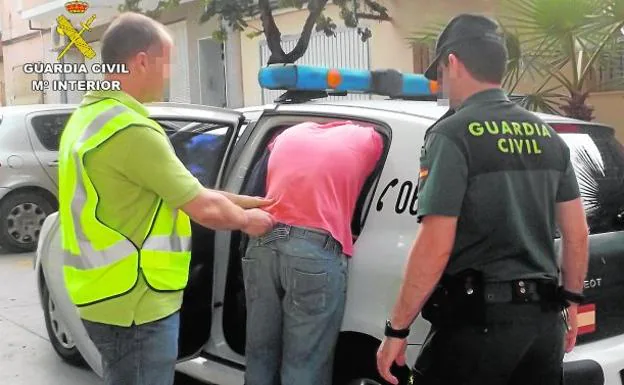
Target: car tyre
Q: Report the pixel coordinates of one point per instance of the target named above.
(21, 217)
(61, 340)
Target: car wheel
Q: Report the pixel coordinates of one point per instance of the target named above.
(59, 335)
(21, 218)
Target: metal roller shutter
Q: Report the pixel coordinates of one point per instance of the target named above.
(179, 86)
(345, 50)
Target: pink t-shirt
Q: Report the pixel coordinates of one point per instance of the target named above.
(316, 173)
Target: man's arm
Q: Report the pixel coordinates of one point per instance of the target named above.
(572, 223)
(244, 201)
(180, 189)
(575, 256)
(214, 210)
(427, 260)
(443, 180)
(574, 244)
(442, 185)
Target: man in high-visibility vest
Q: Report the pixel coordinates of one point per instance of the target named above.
(126, 202)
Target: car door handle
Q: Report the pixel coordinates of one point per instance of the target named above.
(53, 163)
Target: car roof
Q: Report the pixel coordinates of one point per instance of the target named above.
(423, 109)
(26, 108)
(428, 109)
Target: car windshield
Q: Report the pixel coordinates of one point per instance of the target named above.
(598, 160)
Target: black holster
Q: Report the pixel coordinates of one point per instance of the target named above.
(556, 299)
(457, 300)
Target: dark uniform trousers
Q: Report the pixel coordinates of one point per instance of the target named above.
(519, 344)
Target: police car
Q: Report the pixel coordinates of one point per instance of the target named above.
(212, 336)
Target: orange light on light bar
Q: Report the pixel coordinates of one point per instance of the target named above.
(334, 78)
(433, 86)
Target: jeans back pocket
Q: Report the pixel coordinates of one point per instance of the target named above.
(309, 291)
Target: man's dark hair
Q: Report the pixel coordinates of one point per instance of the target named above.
(129, 34)
(485, 60)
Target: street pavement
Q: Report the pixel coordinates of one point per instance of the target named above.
(26, 356)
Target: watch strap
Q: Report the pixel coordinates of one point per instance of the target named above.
(572, 297)
(395, 333)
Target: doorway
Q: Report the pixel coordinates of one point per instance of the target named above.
(212, 85)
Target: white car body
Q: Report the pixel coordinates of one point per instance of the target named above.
(376, 269)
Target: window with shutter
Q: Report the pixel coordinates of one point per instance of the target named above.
(345, 50)
(179, 83)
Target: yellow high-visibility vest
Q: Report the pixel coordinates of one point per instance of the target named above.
(100, 263)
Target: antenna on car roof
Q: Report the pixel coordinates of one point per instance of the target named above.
(302, 96)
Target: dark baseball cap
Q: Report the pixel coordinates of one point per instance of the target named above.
(460, 30)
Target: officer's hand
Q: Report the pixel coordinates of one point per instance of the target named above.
(570, 339)
(258, 222)
(248, 202)
(391, 350)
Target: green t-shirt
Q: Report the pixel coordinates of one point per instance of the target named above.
(130, 172)
(501, 171)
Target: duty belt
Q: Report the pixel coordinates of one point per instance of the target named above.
(519, 291)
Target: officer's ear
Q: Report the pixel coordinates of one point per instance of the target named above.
(139, 63)
(454, 66)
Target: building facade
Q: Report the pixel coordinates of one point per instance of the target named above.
(206, 71)
(389, 48)
(198, 72)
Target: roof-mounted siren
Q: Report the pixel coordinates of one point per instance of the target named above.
(392, 83)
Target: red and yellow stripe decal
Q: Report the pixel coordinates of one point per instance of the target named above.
(586, 318)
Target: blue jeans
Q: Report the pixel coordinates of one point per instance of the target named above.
(137, 355)
(295, 283)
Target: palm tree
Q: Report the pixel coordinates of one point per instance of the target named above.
(560, 44)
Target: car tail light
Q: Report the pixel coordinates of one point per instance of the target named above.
(586, 318)
(566, 128)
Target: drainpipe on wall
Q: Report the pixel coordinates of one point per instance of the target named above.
(30, 27)
(233, 68)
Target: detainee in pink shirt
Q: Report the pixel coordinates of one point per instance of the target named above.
(296, 275)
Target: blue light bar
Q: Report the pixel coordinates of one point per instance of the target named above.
(291, 77)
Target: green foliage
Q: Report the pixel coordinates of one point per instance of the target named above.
(234, 13)
(560, 41)
(220, 34)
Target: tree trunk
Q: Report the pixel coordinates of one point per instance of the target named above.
(274, 36)
(576, 106)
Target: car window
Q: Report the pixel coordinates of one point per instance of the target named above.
(201, 147)
(598, 160)
(48, 129)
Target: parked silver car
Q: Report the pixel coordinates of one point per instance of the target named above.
(29, 139)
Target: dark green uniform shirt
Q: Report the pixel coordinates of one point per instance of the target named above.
(501, 170)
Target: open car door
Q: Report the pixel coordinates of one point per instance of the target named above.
(203, 138)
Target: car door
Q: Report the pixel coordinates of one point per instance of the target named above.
(45, 129)
(228, 330)
(202, 138)
(187, 122)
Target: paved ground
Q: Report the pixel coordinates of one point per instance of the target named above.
(26, 356)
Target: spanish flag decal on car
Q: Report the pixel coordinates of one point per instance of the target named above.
(586, 319)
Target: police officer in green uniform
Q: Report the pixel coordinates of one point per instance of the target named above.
(495, 183)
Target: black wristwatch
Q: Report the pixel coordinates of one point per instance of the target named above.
(572, 297)
(395, 333)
